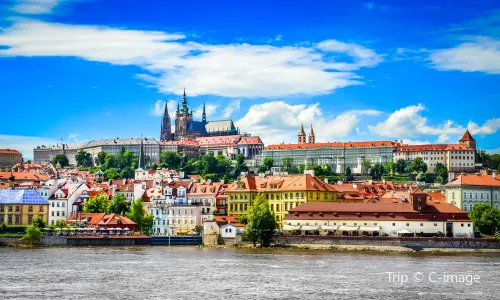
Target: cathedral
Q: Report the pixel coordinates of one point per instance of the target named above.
(187, 128)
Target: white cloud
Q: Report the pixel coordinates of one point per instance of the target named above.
(233, 70)
(489, 127)
(415, 142)
(233, 106)
(35, 7)
(480, 55)
(279, 37)
(25, 144)
(210, 110)
(408, 122)
(362, 56)
(278, 121)
(442, 139)
(158, 108)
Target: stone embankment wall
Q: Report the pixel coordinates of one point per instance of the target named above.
(285, 240)
(54, 241)
(107, 241)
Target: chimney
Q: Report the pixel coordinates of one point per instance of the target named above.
(494, 175)
(326, 180)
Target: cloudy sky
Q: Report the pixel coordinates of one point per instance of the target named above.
(407, 70)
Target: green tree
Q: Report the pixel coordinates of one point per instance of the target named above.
(101, 158)
(261, 222)
(127, 172)
(376, 171)
(442, 172)
(154, 166)
(417, 165)
(33, 234)
(287, 164)
(390, 167)
(400, 166)
(119, 205)
(83, 159)
(111, 173)
(111, 162)
(190, 167)
(301, 168)
(224, 165)
(266, 165)
(38, 222)
(485, 217)
(60, 224)
(318, 170)
(138, 215)
(61, 159)
(171, 158)
(97, 204)
(367, 165)
(327, 170)
(240, 165)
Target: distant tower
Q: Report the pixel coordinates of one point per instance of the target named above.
(312, 138)
(166, 126)
(141, 156)
(183, 118)
(468, 140)
(302, 135)
(204, 115)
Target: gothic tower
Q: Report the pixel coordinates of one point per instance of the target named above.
(302, 135)
(468, 140)
(312, 138)
(166, 126)
(183, 118)
(204, 115)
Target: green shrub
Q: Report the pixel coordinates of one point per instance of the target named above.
(13, 229)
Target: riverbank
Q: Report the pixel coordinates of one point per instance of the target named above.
(359, 248)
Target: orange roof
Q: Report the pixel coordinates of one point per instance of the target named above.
(181, 142)
(24, 176)
(467, 137)
(475, 179)
(432, 147)
(436, 196)
(334, 144)
(9, 151)
(250, 140)
(219, 140)
(298, 182)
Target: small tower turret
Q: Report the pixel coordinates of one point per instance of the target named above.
(302, 135)
(312, 138)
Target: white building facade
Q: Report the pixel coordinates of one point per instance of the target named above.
(467, 190)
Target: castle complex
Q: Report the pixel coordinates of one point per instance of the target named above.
(187, 128)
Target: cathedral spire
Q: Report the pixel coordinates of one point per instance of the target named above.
(302, 135)
(166, 126)
(204, 115)
(312, 138)
(141, 155)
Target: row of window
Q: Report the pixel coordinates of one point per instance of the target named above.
(375, 224)
(16, 219)
(58, 204)
(17, 208)
(57, 214)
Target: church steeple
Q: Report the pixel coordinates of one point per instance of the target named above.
(178, 110)
(141, 155)
(166, 126)
(302, 135)
(204, 115)
(312, 138)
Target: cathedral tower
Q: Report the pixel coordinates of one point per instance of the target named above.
(166, 126)
(468, 140)
(312, 138)
(302, 135)
(204, 115)
(183, 117)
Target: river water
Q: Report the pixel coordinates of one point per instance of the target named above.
(197, 273)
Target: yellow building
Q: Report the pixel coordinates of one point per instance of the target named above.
(283, 193)
(20, 207)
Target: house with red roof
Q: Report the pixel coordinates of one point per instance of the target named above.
(467, 190)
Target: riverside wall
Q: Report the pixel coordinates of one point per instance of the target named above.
(415, 243)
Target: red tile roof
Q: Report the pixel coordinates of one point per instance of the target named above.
(219, 140)
(334, 144)
(9, 151)
(432, 147)
(298, 182)
(24, 176)
(181, 142)
(475, 179)
(250, 140)
(467, 137)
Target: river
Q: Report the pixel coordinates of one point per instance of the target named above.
(200, 273)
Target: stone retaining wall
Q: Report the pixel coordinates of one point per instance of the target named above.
(54, 241)
(285, 240)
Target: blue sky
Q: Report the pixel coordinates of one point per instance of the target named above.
(416, 71)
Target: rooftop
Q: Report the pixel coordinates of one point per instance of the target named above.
(333, 144)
